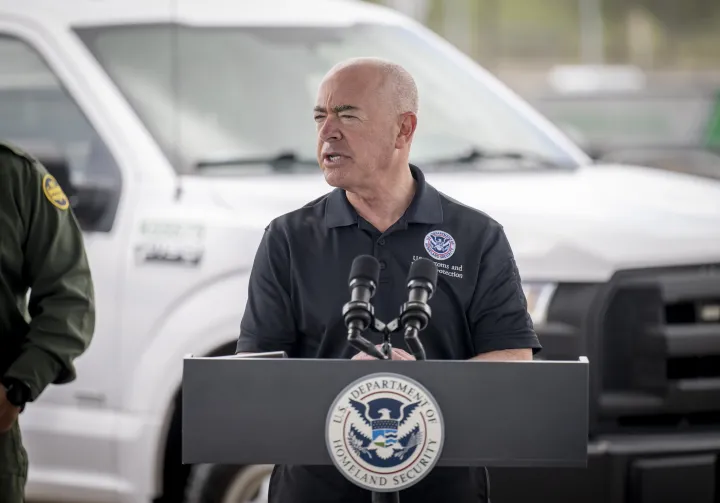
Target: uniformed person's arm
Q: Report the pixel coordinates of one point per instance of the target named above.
(61, 304)
(268, 323)
(501, 325)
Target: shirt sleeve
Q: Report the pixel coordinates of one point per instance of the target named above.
(268, 323)
(61, 304)
(498, 313)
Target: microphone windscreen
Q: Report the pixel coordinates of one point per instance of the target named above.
(366, 267)
(424, 269)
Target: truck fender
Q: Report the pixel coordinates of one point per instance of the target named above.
(204, 321)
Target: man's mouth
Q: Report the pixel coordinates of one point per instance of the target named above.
(332, 157)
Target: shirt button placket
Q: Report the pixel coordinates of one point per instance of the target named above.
(378, 253)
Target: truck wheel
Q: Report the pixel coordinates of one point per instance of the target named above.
(229, 484)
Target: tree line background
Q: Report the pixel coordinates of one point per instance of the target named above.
(682, 35)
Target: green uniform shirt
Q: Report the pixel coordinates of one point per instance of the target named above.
(41, 250)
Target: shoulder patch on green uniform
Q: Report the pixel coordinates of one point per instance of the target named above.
(54, 193)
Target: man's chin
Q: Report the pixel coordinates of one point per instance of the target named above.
(336, 177)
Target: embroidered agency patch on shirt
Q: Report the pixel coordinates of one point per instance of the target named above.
(54, 193)
(440, 245)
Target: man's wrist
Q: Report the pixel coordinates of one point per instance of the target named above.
(16, 392)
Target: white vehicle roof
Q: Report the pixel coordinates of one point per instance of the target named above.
(198, 12)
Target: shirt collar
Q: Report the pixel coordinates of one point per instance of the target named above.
(425, 208)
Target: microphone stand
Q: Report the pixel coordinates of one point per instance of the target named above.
(386, 330)
(361, 343)
(359, 316)
(411, 337)
(414, 316)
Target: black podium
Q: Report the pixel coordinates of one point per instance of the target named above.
(385, 416)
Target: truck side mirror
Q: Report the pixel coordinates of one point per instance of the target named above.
(90, 204)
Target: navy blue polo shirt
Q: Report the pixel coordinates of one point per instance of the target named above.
(299, 280)
(299, 284)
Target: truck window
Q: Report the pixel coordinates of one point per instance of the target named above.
(38, 114)
(248, 92)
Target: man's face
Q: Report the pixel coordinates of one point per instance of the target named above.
(356, 128)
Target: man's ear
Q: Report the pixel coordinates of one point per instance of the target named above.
(408, 124)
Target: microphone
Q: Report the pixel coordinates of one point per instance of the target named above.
(415, 313)
(358, 314)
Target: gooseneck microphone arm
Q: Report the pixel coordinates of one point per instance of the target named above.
(413, 342)
(415, 313)
(359, 314)
(360, 343)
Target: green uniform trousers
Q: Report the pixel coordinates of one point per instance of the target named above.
(13, 466)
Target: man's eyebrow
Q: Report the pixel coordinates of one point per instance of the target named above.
(343, 108)
(336, 109)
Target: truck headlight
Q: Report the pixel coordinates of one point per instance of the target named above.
(538, 295)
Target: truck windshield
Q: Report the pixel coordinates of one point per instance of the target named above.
(210, 94)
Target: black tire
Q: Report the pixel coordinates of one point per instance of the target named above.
(213, 483)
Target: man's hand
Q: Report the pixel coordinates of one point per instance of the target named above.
(8, 412)
(397, 354)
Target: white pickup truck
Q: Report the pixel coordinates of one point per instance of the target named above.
(182, 128)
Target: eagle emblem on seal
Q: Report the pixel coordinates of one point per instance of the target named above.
(387, 436)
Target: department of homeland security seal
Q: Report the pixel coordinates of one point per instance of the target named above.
(384, 432)
(439, 245)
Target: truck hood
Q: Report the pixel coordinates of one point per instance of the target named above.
(563, 226)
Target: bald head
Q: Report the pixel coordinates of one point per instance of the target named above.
(393, 81)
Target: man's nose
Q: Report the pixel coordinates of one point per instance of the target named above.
(329, 130)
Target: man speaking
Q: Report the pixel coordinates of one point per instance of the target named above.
(366, 116)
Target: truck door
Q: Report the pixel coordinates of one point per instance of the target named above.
(40, 113)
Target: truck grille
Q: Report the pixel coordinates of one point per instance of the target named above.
(661, 347)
